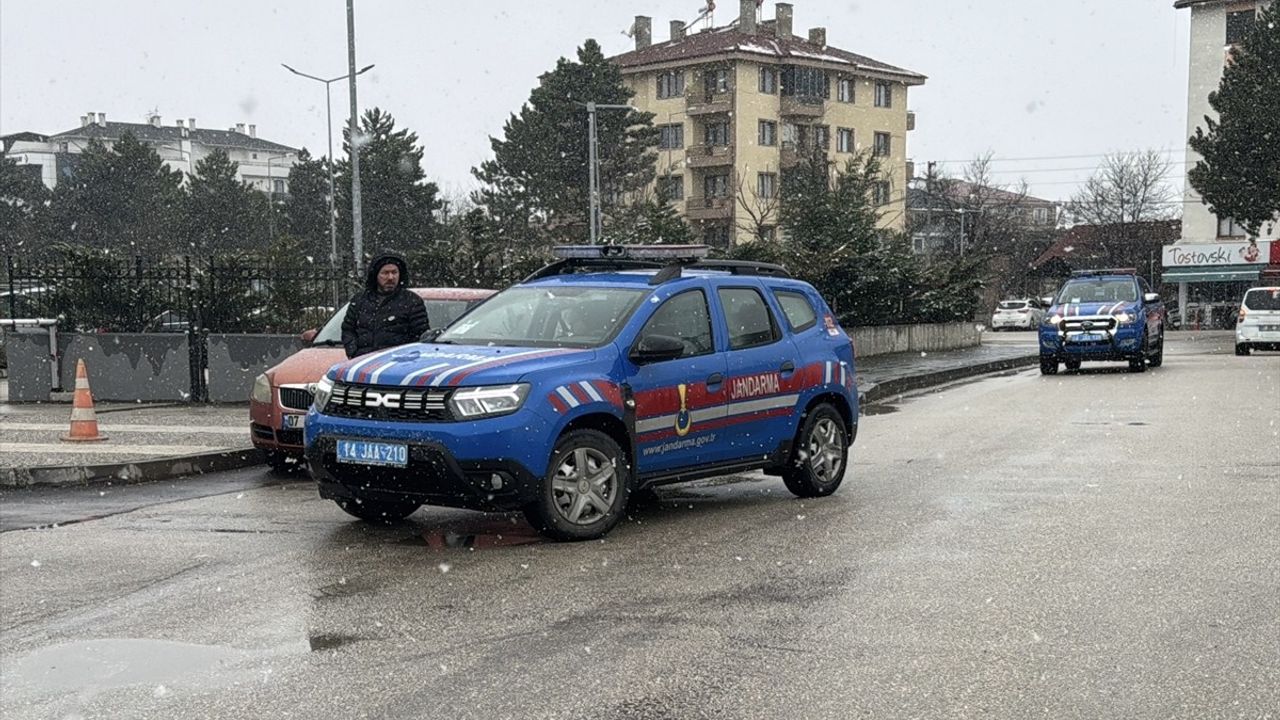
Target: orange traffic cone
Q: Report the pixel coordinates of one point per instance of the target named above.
(84, 422)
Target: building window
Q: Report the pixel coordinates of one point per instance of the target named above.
(277, 185)
(255, 156)
(844, 90)
(1041, 216)
(790, 134)
(767, 185)
(718, 80)
(884, 94)
(717, 133)
(769, 81)
(882, 193)
(822, 137)
(884, 145)
(670, 84)
(806, 83)
(715, 186)
(1227, 227)
(768, 233)
(768, 132)
(844, 140)
(1238, 25)
(671, 137)
(671, 187)
(716, 235)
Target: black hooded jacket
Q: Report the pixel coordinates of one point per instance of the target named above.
(376, 321)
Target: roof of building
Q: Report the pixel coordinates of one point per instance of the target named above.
(147, 132)
(8, 141)
(726, 40)
(1081, 244)
(957, 189)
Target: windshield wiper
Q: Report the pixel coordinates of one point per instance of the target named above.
(326, 343)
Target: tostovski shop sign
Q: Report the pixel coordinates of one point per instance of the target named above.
(1237, 253)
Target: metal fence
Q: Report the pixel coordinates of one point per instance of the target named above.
(94, 293)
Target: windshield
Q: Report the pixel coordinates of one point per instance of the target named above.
(1262, 300)
(1012, 305)
(1098, 290)
(575, 317)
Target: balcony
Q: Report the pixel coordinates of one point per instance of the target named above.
(709, 208)
(793, 152)
(702, 156)
(701, 103)
(802, 106)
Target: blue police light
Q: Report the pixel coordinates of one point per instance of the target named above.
(670, 253)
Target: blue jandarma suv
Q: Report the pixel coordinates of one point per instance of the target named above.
(1103, 315)
(613, 369)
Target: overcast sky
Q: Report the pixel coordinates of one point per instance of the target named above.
(1048, 86)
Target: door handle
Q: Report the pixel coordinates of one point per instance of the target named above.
(788, 366)
(715, 379)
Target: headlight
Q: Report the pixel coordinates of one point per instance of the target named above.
(320, 393)
(488, 401)
(1125, 318)
(1053, 320)
(261, 389)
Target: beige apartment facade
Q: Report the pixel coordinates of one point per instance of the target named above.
(738, 104)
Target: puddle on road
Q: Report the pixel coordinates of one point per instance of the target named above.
(320, 643)
(479, 534)
(108, 664)
(868, 410)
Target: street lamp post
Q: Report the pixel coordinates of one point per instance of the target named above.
(328, 110)
(594, 162)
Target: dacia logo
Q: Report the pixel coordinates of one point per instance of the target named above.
(387, 400)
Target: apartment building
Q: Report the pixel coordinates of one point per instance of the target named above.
(1214, 261)
(739, 103)
(263, 164)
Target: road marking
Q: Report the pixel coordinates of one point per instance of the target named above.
(65, 449)
(170, 429)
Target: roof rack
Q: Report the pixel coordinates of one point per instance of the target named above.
(669, 260)
(1105, 271)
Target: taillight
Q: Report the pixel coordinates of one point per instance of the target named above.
(1243, 312)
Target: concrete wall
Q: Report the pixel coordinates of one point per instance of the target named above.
(236, 360)
(130, 367)
(28, 358)
(868, 341)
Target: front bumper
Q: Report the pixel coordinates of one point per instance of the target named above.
(1122, 343)
(266, 429)
(450, 463)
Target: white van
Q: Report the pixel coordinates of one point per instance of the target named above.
(1259, 325)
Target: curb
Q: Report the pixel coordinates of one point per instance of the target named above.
(880, 392)
(132, 472)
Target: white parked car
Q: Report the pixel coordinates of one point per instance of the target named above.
(1017, 315)
(1259, 324)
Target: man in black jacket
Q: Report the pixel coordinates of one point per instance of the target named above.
(387, 313)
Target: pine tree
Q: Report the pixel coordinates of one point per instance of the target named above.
(398, 205)
(539, 171)
(22, 198)
(306, 211)
(1239, 175)
(223, 214)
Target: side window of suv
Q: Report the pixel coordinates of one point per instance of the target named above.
(797, 308)
(748, 317)
(684, 316)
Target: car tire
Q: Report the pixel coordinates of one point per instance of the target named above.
(1048, 366)
(821, 454)
(378, 511)
(585, 490)
(1072, 365)
(1242, 349)
(1157, 358)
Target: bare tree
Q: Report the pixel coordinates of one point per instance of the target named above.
(1126, 195)
(759, 212)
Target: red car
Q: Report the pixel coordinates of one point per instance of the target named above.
(281, 395)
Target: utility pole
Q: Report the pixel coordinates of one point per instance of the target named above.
(593, 173)
(357, 224)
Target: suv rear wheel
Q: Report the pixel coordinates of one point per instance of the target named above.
(818, 463)
(1242, 349)
(585, 490)
(379, 511)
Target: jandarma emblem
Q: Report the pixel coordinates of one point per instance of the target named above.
(684, 420)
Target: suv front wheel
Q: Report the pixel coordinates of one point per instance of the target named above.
(818, 464)
(585, 490)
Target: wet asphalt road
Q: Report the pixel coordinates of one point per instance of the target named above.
(1094, 545)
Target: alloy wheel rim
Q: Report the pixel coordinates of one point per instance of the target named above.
(826, 450)
(585, 486)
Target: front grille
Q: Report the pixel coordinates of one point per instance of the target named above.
(1077, 324)
(389, 403)
(295, 398)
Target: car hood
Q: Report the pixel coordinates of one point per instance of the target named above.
(430, 365)
(1103, 309)
(305, 366)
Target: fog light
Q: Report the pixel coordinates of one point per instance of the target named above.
(496, 481)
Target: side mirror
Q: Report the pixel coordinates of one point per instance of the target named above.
(1151, 298)
(309, 336)
(656, 348)
(430, 335)
(1046, 302)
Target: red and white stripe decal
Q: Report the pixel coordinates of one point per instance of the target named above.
(585, 392)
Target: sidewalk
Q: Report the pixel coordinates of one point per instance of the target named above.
(156, 442)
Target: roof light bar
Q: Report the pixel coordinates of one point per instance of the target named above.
(670, 253)
(1105, 271)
